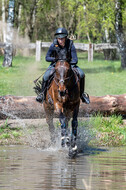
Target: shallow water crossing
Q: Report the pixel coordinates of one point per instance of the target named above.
(24, 167)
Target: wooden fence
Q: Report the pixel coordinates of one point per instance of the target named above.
(79, 46)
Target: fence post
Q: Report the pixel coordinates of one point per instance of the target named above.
(90, 52)
(38, 50)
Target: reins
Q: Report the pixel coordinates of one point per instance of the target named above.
(35, 81)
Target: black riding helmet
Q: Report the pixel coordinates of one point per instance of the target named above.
(61, 33)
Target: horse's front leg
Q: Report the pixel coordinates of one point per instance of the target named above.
(49, 120)
(64, 130)
(73, 149)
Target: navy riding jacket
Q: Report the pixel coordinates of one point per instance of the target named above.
(51, 58)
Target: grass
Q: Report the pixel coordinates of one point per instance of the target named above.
(107, 131)
(9, 134)
(102, 77)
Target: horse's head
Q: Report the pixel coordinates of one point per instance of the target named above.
(62, 76)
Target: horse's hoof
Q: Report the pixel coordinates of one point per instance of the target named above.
(68, 141)
(73, 151)
(63, 141)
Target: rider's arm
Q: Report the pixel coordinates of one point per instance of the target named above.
(49, 54)
(74, 58)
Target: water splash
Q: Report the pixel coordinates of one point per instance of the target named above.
(38, 135)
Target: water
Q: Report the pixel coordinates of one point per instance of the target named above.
(24, 167)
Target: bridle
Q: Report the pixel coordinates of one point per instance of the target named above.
(67, 78)
(62, 80)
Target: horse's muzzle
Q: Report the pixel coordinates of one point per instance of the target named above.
(62, 93)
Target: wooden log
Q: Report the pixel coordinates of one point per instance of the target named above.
(98, 47)
(19, 107)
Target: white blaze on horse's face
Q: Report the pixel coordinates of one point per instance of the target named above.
(62, 87)
(62, 75)
(62, 72)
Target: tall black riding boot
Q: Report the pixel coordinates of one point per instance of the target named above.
(41, 96)
(83, 95)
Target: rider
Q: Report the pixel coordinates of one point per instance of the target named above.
(62, 48)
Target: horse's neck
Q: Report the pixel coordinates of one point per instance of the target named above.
(73, 80)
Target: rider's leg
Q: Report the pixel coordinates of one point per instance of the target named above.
(41, 96)
(48, 73)
(84, 96)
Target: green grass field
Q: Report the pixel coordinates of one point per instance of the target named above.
(102, 77)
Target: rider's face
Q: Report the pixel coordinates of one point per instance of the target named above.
(61, 41)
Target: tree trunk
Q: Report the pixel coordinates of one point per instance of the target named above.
(8, 51)
(19, 17)
(119, 6)
(3, 21)
(27, 107)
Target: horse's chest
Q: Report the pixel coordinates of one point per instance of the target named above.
(67, 107)
(57, 107)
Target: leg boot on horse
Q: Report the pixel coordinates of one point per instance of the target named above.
(64, 133)
(73, 147)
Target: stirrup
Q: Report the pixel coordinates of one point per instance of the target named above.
(85, 98)
(40, 98)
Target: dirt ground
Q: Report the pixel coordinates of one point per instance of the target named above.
(34, 132)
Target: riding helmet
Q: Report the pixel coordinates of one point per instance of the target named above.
(61, 33)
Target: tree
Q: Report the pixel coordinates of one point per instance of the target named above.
(3, 21)
(8, 50)
(95, 21)
(104, 21)
(119, 28)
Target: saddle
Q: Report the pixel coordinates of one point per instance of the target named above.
(38, 83)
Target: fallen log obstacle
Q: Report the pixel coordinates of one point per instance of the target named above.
(26, 107)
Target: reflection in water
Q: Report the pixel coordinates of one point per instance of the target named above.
(23, 167)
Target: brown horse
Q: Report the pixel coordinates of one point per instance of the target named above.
(63, 97)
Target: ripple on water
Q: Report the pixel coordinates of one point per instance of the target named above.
(24, 167)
